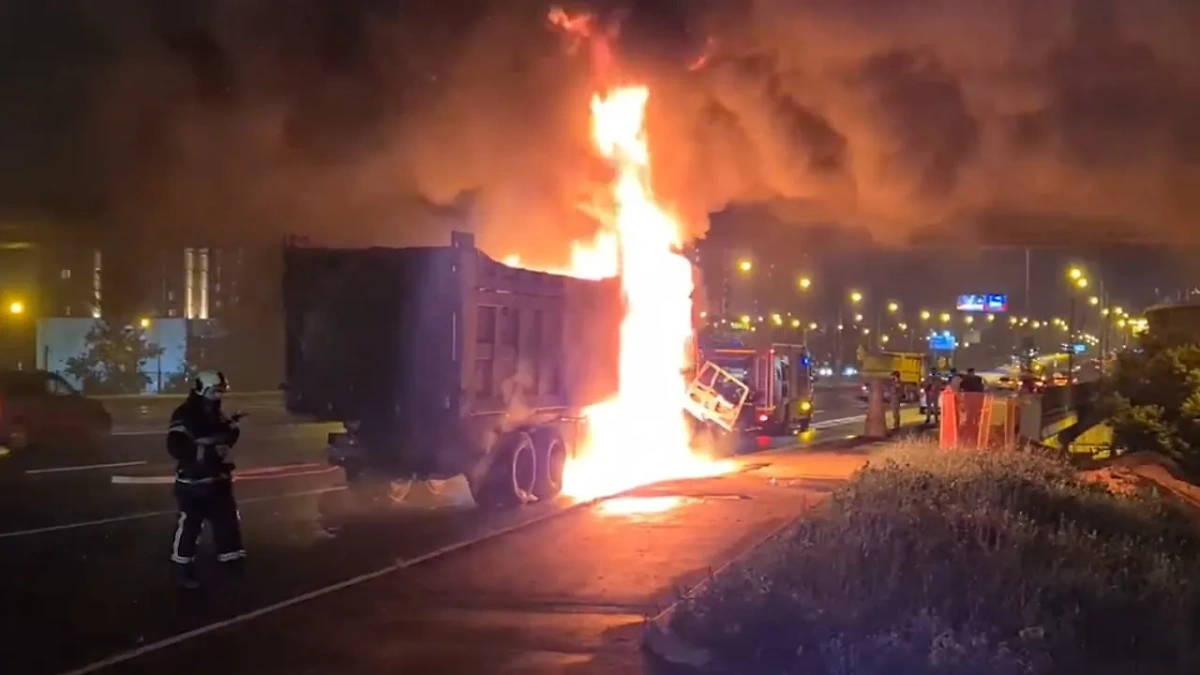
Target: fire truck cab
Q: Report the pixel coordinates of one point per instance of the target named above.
(776, 392)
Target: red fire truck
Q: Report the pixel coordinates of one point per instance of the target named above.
(752, 388)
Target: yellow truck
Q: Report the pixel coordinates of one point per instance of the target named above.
(910, 365)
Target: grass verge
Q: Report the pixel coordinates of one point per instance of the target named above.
(980, 564)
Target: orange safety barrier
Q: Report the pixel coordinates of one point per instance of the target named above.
(967, 420)
(948, 427)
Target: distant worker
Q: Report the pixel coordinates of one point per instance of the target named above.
(199, 439)
(933, 400)
(955, 380)
(972, 383)
(897, 397)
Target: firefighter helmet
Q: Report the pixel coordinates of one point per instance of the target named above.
(211, 384)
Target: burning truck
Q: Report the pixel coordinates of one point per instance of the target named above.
(442, 362)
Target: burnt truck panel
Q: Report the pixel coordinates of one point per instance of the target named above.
(434, 356)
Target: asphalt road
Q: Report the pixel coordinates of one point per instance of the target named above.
(84, 572)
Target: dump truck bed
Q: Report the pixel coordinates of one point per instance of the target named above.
(419, 338)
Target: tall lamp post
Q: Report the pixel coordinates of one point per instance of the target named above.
(1078, 281)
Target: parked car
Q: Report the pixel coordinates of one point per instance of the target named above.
(38, 408)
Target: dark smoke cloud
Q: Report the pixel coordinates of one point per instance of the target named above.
(362, 120)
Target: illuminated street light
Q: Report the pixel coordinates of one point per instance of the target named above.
(991, 318)
(16, 307)
(1081, 283)
(856, 297)
(805, 283)
(1093, 301)
(902, 326)
(866, 331)
(1075, 274)
(777, 320)
(1012, 320)
(884, 339)
(795, 323)
(745, 266)
(858, 318)
(1118, 311)
(945, 317)
(893, 307)
(1036, 325)
(812, 326)
(925, 315)
(841, 327)
(969, 320)
(745, 320)
(144, 323)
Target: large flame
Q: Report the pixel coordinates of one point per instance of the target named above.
(640, 436)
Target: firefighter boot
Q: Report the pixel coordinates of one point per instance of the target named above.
(185, 576)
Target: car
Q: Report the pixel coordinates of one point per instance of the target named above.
(41, 408)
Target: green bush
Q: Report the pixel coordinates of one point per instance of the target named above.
(966, 563)
(1153, 402)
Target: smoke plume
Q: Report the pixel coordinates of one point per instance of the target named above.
(387, 122)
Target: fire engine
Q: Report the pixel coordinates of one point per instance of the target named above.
(759, 388)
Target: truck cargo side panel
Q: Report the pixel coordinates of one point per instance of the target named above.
(371, 338)
(544, 347)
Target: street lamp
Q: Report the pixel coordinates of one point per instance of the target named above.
(925, 315)
(856, 297)
(858, 318)
(805, 283)
(144, 323)
(1093, 301)
(795, 323)
(969, 320)
(1081, 283)
(945, 317)
(893, 307)
(745, 266)
(1075, 274)
(16, 307)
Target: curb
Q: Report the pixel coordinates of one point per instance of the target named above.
(665, 645)
(254, 473)
(671, 650)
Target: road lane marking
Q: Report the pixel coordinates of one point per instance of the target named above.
(153, 514)
(283, 429)
(262, 473)
(84, 467)
(825, 424)
(398, 565)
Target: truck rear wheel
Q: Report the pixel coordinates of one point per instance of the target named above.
(509, 479)
(551, 454)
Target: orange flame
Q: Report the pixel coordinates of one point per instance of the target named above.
(640, 436)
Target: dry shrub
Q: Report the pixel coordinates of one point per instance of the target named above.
(980, 564)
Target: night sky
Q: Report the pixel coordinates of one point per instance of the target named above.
(348, 119)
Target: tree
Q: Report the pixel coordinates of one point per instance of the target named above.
(113, 359)
(1153, 402)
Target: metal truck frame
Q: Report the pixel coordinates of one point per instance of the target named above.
(481, 369)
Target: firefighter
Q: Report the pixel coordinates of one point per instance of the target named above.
(897, 399)
(199, 439)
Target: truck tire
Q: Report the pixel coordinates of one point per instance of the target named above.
(509, 479)
(551, 454)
